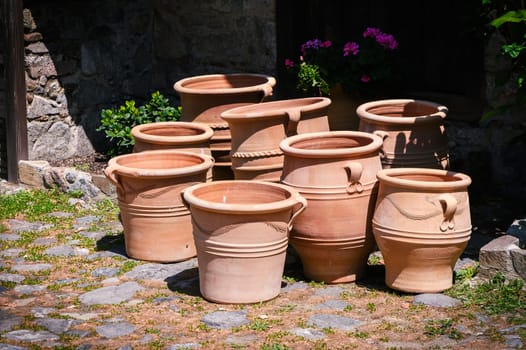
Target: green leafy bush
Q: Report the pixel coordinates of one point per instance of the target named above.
(118, 122)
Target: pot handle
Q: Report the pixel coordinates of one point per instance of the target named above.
(113, 177)
(267, 91)
(382, 134)
(303, 204)
(354, 173)
(449, 207)
(294, 119)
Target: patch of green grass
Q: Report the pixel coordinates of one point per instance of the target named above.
(357, 334)
(259, 325)
(106, 210)
(34, 204)
(320, 345)
(466, 273)
(274, 346)
(276, 336)
(36, 253)
(371, 307)
(3, 228)
(495, 296)
(441, 327)
(128, 266)
(316, 284)
(286, 308)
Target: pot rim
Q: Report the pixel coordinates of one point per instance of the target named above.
(362, 112)
(276, 108)
(288, 148)
(139, 132)
(388, 176)
(114, 166)
(232, 208)
(180, 87)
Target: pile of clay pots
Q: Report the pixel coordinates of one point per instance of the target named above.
(242, 176)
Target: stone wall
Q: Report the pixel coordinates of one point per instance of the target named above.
(3, 111)
(82, 57)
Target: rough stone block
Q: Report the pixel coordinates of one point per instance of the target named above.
(33, 172)
(518, 256)
(104, 185)
(496, 257)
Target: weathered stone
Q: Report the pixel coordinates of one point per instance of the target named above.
(435, 299)
(33, 172)
(42, 106)
(25, 226)
(308, 333)
(334, 321)
(29, 22)
(518, 257)
(57, 326)
(9, 321)
(38, 48)
(496, 257)
(32, 37)
(332, 305)
(111, 295)
(31, 267)
(160, 271)
(39, 65)
(102, 182)
(114, 330)
(31, 336)
(225, 319)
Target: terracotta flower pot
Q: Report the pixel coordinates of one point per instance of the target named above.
(342, 112)
(205, 97)
(336, 172)
(412, 131)
(422, 225)
(241, 234)
(258, 129)
(157, 225)
(184, 136)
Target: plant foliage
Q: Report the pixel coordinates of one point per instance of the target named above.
(118, 122)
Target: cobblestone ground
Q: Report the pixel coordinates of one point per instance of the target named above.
(69, 285)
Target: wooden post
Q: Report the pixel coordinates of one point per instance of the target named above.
(16, 123)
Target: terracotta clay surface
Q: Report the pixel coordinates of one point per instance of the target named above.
(412, 131)
(157, 226)
(422, 225)
(241, 234)
(336, 172)
(258, 129)
(205, 97)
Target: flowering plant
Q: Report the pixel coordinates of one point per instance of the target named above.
(356, 65)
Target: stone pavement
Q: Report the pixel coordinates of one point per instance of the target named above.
(37, 311)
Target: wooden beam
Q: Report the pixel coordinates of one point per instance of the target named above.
(16, 123)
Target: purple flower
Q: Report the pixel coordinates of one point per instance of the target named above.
(371, 32)
(326, 43)
(365, 78)
(387, 41)
(289, 63)
(315, 44)
(351, 48)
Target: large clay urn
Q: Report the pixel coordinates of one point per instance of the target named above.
(241, 233)
(258, 129)
(336, 172)
(157, 225)
(205, 97)
(422, 225)
(184, 136)
(413, 132)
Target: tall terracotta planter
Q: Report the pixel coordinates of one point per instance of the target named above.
(422, 225)
(342, 112)
(241, 234)
(184, 136)
(205, 97)
(336, 172)
(412, 130)
(157, 225)
(258, 129)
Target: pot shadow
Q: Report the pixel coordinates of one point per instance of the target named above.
(113, 244)
(185, 282)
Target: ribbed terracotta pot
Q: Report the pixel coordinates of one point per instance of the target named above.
(258, 129)
(422, 225)
(184, 136)
(413, 132)
(157, 225)
(241, 234)
(205, 97)
(336, 172)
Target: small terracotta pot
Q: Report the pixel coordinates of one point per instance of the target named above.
(205, 97)
(422, 225)
(336, 172)
(184, 136)
(157, 225)
(258, 129)
(412, 131)
(241, 234)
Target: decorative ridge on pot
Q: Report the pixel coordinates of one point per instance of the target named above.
(306, 104)
(186, 132)
(382, 111)
(226, 84)
(127, 164)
